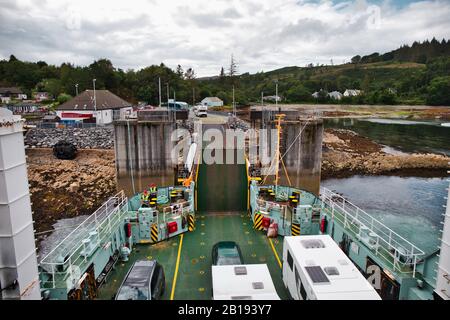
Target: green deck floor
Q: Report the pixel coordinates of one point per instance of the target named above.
(194, 274)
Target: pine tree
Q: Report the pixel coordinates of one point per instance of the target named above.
(233, 67)
(222, 73)
(179, 71)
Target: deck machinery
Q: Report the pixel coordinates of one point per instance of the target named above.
(79, 264)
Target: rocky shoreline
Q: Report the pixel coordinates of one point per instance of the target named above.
(83, 138)
(346, 153)
(68, 188)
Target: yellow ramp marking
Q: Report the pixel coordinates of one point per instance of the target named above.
(275, 253)
(174, 282)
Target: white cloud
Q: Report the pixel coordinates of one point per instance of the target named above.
(263, 35)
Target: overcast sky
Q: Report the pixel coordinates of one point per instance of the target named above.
(262, 35)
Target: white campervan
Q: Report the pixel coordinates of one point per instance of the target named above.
(315, 268)
(243, 282)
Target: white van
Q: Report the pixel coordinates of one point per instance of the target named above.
(315, 268)
(243, 282)
(201, 110)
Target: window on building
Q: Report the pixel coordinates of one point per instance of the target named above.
(290, 260)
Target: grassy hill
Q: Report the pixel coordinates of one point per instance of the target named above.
(382, 82)
(419, 74)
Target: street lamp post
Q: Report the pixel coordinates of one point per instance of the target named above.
(95, 99)
(76, 89)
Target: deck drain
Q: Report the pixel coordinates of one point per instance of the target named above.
(201, 289)
(244, 223)
(149, 258)
(202, 243)
(246, 232)
(202, 233)
(202, 272)
(254, 255)
(202, 257)
(194, 261)
(202, 224)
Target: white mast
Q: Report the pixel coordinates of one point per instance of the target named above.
(159, 87)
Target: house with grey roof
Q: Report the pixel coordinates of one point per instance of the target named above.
(336, 95)
(11, 93)
(102, 107)
(212, 102)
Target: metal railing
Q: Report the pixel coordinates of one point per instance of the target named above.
(66, 125)
(69, 256)
(396, 251)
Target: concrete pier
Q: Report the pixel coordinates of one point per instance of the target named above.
(144, 144)
(300, 143)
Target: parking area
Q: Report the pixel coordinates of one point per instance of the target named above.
(187, 259)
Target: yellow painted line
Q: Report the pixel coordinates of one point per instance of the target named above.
(174, 282)
(275, 252)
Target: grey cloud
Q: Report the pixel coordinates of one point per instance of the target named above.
(231, 13)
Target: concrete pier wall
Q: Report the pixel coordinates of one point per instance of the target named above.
(143, 147)
(303, 150)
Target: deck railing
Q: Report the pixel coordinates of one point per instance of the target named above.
(397, 252)
(70, 256)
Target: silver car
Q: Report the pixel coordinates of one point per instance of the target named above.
(144, 281)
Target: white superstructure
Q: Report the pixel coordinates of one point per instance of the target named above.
(315, 268)
(243, 282)
(18, 262)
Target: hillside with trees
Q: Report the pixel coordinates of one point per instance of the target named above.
(416, 74)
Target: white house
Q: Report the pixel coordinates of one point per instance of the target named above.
(352, 93)
(104, 108)
(41, 96)
(212, 102)
(272, 98)
(335, 95)
(6, 94)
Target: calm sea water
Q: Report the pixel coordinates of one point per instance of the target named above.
(404, 135)
(410, 206)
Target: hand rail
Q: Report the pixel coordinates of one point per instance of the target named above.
(387, 239)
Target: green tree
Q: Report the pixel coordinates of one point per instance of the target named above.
(438, 91)
(64, 97)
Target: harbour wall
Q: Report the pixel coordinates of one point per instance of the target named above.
(300, 145)
(143, 147)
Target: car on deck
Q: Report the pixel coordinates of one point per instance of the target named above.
(226, 253)
(144, 281)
